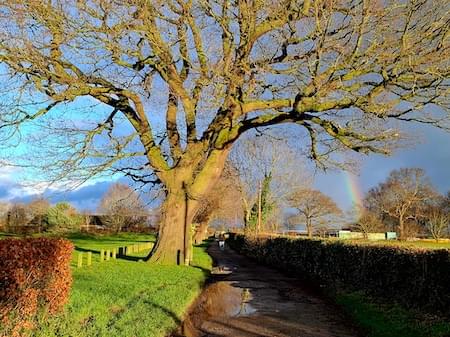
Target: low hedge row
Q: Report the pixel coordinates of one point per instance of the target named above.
(34, 275)
(415, 278)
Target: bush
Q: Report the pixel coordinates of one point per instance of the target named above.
(412, 277)
(63, 218)
(35, 277)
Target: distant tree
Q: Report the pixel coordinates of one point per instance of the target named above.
(314, 207)
(63, 218)
(4, 208)
(291, 220)
(368, 221)
(436, 217)
(402, 197)
(223, 202)
(264, 202)
(122, 207)
(18, 215)
(38, 209)
(269, 166)
(437, 223)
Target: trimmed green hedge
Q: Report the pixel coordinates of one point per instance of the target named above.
(415, 278)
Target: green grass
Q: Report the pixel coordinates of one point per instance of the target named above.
(125, 298)
(426, 244)
(94, 243)
(389, 320)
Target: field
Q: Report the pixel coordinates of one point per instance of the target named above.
(125, 297)
(425, 244)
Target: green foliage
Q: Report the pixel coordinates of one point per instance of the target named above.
(62, 218)
(267, 206)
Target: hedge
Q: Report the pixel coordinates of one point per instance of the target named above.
(415, 278)
(35, 277)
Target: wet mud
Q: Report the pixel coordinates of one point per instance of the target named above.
(249, 300)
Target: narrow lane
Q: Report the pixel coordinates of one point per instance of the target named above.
(245, 299)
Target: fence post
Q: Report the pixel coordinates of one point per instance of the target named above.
(108, 254)
(80, 260)
(114, 253)
(89, 258)
(102, 253)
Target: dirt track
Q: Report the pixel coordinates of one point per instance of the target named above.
(245, 299)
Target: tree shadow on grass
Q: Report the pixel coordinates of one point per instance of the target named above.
(118, 257)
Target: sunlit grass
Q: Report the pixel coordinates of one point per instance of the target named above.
(426, 244)
(125, 298)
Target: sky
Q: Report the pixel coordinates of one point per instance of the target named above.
(431, 152)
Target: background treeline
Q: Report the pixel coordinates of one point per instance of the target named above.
(120, 209)
(407, 203)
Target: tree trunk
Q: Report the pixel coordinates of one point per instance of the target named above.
(309, 228)
(401, 227)
(185, 187)
(200, 232)
(170, 247)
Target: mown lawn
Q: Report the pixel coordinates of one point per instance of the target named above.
(125, 298)
(389, 320)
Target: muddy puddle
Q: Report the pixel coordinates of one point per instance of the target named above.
(220, 300)
(245, 299)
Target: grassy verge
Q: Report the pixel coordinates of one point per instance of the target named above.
(125, 298)
(388, 320)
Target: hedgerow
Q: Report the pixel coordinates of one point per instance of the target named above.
(415, 278)
(35, 277)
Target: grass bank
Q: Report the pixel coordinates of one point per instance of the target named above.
(125, 298)
(379, 319)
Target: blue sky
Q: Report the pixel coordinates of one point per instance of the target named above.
(431, 152)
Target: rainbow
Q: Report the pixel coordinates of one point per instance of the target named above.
(353, 189)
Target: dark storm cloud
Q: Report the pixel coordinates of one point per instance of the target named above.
(431, 153)
(85, 197)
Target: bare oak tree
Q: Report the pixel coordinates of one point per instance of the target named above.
(314, 207)
(256, 159)
(222, 202)
(437, 223)
(4, 209)
(437, 216)
(38, 208)
(368, 221)
(160, 90)
(403, 197)
(122, 207)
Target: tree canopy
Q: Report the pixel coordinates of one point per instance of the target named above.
(160, 90)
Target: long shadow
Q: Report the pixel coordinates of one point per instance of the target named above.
(130, 258)
(80, 249)
(121, 257)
